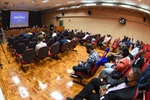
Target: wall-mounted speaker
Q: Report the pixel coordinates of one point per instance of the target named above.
(89, 12)
(63, 14)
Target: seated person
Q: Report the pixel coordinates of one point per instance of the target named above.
(62, 40)
(103, 59)
(26, 35)
(11, 39)
(40, 43)
(43, 33)
(121, 66)
(105, 41)
(30, 33)
(124, 52)
(139, 61)
(85, 66)
(135, 50)
(54, 34)
(128, 43)
(144, 81)
(87, 34)
(21, 34)
(84, 38)
(122, 90)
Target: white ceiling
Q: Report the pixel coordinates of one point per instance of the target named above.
(38, 5)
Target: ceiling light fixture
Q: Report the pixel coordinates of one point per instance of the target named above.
(70, 2)
(107, 4)
(88, 1)
(61, 8)
(144, 10)
(75, 6)
(126, 6)
(57, 4)
(90, 4)
(144, 6)
(129, 3)
(109, 0)
(45, 1)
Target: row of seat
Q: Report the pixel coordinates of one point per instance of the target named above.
(30, 56)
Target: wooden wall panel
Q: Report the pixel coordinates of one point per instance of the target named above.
(103, 21)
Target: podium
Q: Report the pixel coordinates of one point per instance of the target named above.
(59, 28)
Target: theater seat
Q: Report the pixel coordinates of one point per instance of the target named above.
(64, 46)
(147, 95)
(42, 53)
(136, 94)
(144, 66)
(82, 75)
(75, 44)
(27, 58)
(53, 51)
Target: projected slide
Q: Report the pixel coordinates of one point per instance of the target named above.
(19, 18)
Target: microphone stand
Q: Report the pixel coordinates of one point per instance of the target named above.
(4, 54)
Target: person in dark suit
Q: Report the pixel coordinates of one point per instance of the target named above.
(123, 90)
(144, 82)
(139, 62)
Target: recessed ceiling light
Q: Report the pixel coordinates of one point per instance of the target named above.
(75, 7)
(61, 8)
(109, 0)
(144, 6)
(91, 4)
(88, 1)
(130, 3)
(126, 6)
(71, 2)
(107, 4)
(144, 10)
(57, 4)
(45, 1)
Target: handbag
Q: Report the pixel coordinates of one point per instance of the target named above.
(116, 74)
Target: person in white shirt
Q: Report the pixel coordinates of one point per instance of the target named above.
(87, 34)
(135, 51)
(107, 38)
(40, 43)
(43, 33)
(54, 34)
(84, 38)
(105, 41)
